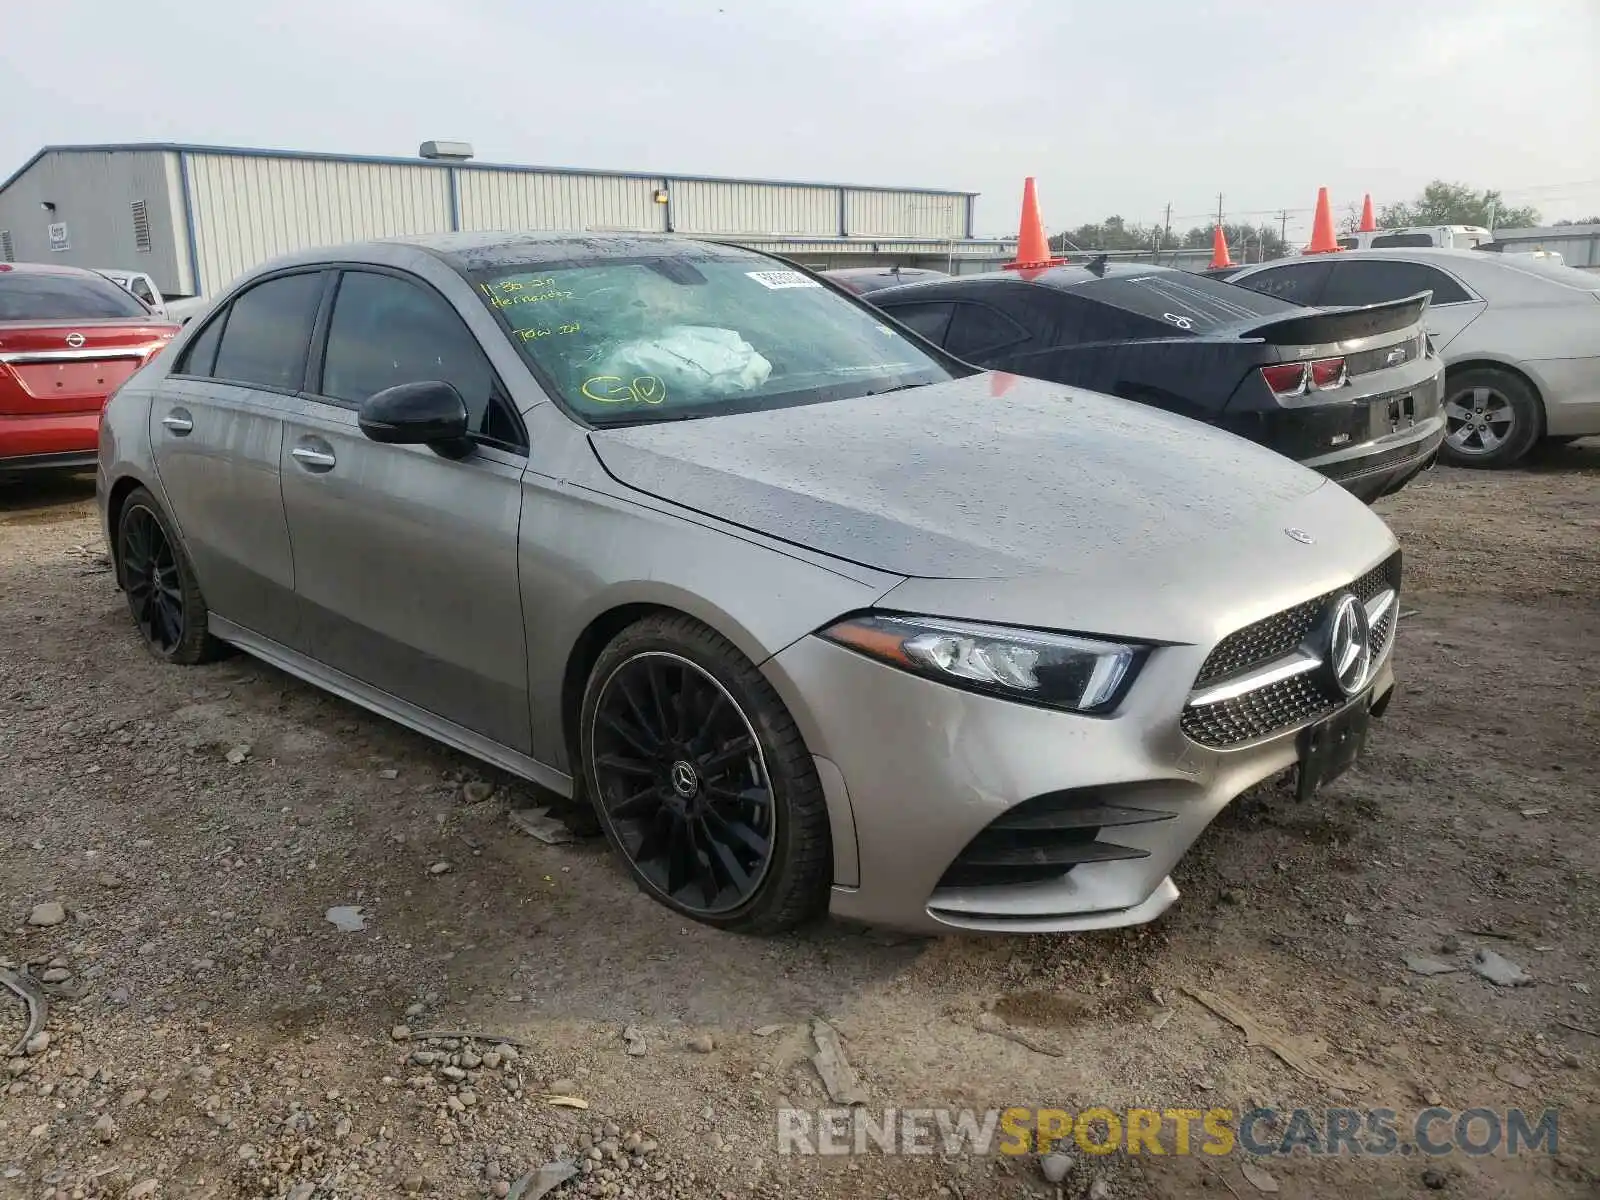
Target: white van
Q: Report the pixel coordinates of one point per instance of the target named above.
(1447, 237)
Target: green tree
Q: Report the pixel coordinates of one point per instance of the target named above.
(1114, 233)
(1443, 203)
(1246, 243)
(1580, 221)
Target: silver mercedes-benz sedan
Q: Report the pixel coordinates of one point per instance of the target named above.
(817, 617)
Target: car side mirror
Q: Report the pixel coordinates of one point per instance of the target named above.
(430, 413)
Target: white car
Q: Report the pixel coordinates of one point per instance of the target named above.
(1519, 335)
(185, 310)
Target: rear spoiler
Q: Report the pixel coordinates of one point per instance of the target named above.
(1322, 327)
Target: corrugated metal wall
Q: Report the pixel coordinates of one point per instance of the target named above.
(703, 206)
(904, 214)
(94, 192)
(556, 200)
(249, 209)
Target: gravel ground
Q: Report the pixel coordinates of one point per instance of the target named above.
(212, 1033)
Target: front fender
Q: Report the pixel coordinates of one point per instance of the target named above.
(585, 555)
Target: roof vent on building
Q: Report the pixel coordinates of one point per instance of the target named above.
(448, 151)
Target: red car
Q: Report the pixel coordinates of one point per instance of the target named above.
(68, 339)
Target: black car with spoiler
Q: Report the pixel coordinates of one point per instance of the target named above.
(1355, 393)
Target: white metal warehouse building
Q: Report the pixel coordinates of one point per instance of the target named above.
(195, 217)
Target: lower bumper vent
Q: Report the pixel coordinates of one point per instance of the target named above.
(1044, 838)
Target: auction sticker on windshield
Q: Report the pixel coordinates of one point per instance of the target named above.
(782, 279)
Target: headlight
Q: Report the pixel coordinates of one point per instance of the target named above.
(1054, 669)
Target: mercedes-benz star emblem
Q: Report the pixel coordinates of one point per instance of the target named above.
(74, 340)
(1301, 536)
(1350, 645)
(684, 781)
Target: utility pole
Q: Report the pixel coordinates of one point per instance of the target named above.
(1166, 229)
(1283, 228)
(1219, 210)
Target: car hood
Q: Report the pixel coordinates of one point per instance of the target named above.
(989, 477)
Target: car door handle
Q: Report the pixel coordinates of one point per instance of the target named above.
(313, 459)
(178, 421)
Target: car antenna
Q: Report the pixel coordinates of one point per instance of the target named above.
(1097, 264)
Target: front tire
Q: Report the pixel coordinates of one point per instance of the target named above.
(158, 579)
(701, 779)
(1492, 418)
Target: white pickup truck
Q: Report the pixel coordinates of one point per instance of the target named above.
(178, 309)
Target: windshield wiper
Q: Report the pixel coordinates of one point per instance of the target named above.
(649, 419)
(899, 387)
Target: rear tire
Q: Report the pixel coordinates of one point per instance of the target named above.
(701, 780)
(1492, 418)
(158, 579)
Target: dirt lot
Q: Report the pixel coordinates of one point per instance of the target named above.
(212, 1034)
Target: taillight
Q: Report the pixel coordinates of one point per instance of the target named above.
(1285, 379)
(1296, 379)
(1328, 373)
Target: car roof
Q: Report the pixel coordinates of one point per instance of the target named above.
(1438, 254)
(471, 252)
(882, 272)
(38, 268)
(1063, 278)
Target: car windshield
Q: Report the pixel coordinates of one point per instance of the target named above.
(629, 341)
(1188, 302)
(48, 296)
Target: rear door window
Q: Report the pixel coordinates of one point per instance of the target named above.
(1185, 302)
(268, 332)
(977, 330)
(1298, 283)
(64, 296)
(1372, 281)
(930, 320)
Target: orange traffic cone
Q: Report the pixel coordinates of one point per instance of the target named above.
(1322, 239)
(1033, 248)
(1219, 250)
(1367, 223)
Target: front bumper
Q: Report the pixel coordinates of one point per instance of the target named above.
(919, 769)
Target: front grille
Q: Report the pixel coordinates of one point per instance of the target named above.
(1262, 712)
(1289, 702)
(1044, 838)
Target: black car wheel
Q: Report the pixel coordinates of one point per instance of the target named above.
(701, 780)
(159, 581)
(1492, 418)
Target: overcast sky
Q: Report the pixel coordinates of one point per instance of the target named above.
(1117, 106)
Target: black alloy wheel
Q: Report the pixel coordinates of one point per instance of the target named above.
(683, 782)
(150, 578)
(701, 780)
(164, 597)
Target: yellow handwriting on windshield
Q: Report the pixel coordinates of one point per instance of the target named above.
(529, 335)
(508, 301)
(614, 389)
